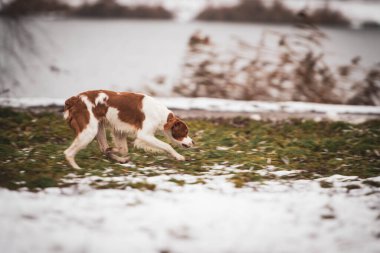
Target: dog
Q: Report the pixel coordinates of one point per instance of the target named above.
(90, 113)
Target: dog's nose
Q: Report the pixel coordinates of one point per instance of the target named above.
(185, 145)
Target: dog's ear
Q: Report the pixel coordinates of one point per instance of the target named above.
(170, 122)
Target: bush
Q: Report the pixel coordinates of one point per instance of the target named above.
(295, 70)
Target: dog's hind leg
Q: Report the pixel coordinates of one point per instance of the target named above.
(103, 145)
(102, 138)
(80, 142)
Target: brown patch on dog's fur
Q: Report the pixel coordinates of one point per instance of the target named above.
(99, 110)
(178, 128)
(91, 95)
(78, 115)
(129, 106)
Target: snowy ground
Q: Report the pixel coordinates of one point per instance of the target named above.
(277, 216)
(205, 213)
(216, 104)
(257, 110)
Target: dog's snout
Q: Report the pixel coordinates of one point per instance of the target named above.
(185, 145)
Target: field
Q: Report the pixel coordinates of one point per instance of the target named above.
(246, 184)
(32, 148)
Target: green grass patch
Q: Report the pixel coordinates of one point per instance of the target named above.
(32, 145)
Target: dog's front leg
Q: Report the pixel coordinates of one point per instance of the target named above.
(156, 143)
(120, 141)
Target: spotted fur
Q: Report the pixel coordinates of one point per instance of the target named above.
(124, 113)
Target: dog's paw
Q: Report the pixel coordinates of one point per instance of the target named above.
(179, 157)
(123, 160)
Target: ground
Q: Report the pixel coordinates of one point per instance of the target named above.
(309, 186)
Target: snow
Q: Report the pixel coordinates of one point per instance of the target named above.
(214, 104)
(221, 105)
(278, 216)
(71, 55)
(31, 102)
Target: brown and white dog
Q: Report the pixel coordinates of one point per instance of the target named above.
(125, 113)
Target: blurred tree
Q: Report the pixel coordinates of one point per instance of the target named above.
(113, 9)
(33, 7)
(277, 12)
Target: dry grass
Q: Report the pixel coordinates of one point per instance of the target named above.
(294, 69)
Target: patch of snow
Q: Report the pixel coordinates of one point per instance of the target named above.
(340, 178)
(255, 117)
(31, 102)
(281, 173)
(376, 179)
(271, 170)
(298, 216)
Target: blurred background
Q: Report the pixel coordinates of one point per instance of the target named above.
(282, 50)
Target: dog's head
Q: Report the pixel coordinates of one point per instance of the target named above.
(178, 131)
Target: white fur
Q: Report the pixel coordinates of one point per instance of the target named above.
(101, 98)
(156, 115)
(66, 114)
(187, 141)
(145, 146)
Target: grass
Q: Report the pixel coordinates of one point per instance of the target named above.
(32, 145)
